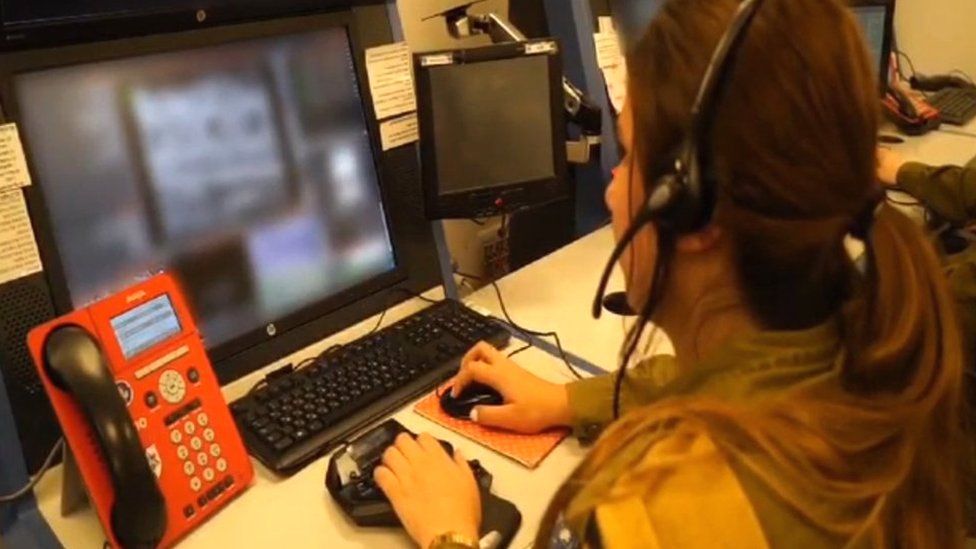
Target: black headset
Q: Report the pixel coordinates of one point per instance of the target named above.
(683, 198)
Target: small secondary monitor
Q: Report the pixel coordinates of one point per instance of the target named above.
(246, 167)
(492, 129)
(875, 17)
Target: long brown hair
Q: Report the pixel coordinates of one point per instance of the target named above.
(793, 146)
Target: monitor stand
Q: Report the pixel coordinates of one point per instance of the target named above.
(444, 258)
(74, 493)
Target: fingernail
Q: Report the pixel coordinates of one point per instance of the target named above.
(474, 415)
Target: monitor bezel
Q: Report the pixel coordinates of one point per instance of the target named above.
(483, 202)
(270, 338)
(82, 28)
(888, 41)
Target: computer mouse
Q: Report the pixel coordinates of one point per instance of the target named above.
(473, 395)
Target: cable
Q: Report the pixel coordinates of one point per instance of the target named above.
(517, 326)
(963, 74)
(33, 482)
(911, 64)
(913, 203)
(520, 350)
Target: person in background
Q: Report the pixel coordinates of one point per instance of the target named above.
(808, 404)
(949, 192)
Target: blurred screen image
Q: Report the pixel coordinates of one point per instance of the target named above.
(245, 168)
(874, 21)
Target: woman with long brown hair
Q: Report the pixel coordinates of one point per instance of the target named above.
(807, 404)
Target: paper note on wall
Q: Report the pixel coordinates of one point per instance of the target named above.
(19, 256)
(390, 70)
(399, 131)
(611, 62)
(605, 24)
(607, 49)
(13, 164)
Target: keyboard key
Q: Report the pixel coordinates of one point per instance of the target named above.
(283, 444)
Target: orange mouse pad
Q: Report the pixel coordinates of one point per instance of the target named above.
(529, 450)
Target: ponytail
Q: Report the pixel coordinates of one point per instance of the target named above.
(904, 353)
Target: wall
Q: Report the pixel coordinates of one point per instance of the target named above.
(939, 35)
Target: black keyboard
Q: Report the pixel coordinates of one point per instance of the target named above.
(957, 105)
(298, 417)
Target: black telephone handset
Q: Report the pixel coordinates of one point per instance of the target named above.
(76, 364)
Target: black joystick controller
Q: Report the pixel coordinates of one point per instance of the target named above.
(349, 480)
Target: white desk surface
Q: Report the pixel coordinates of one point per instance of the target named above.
(297, 512)
(554, 293)
(950, 145)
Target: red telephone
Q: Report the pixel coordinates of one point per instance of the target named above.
(142, 413)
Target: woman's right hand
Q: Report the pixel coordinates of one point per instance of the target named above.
(889, 164)
(531, 405)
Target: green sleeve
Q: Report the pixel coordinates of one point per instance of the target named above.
(949, 191)
(960, 269)
(591, 400)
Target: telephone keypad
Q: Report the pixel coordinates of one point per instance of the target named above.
(201, 460)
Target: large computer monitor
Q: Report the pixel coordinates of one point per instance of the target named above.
(876, 18)
(492, 129)
(242, 161)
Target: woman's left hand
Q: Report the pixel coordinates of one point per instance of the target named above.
(431, 492)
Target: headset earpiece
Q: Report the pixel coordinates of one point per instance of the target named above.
(679, 199)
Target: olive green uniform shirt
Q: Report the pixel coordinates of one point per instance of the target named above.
(746, 372)
(950, 192)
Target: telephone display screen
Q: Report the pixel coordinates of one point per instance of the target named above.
(146, 326)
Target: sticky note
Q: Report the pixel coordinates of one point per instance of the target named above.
(13, 164)
(19, 256)
(616, 78)
(400, 131)
(606, 24)
(390, 71)
(611, 62)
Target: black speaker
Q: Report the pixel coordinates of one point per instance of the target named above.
(24, 304)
